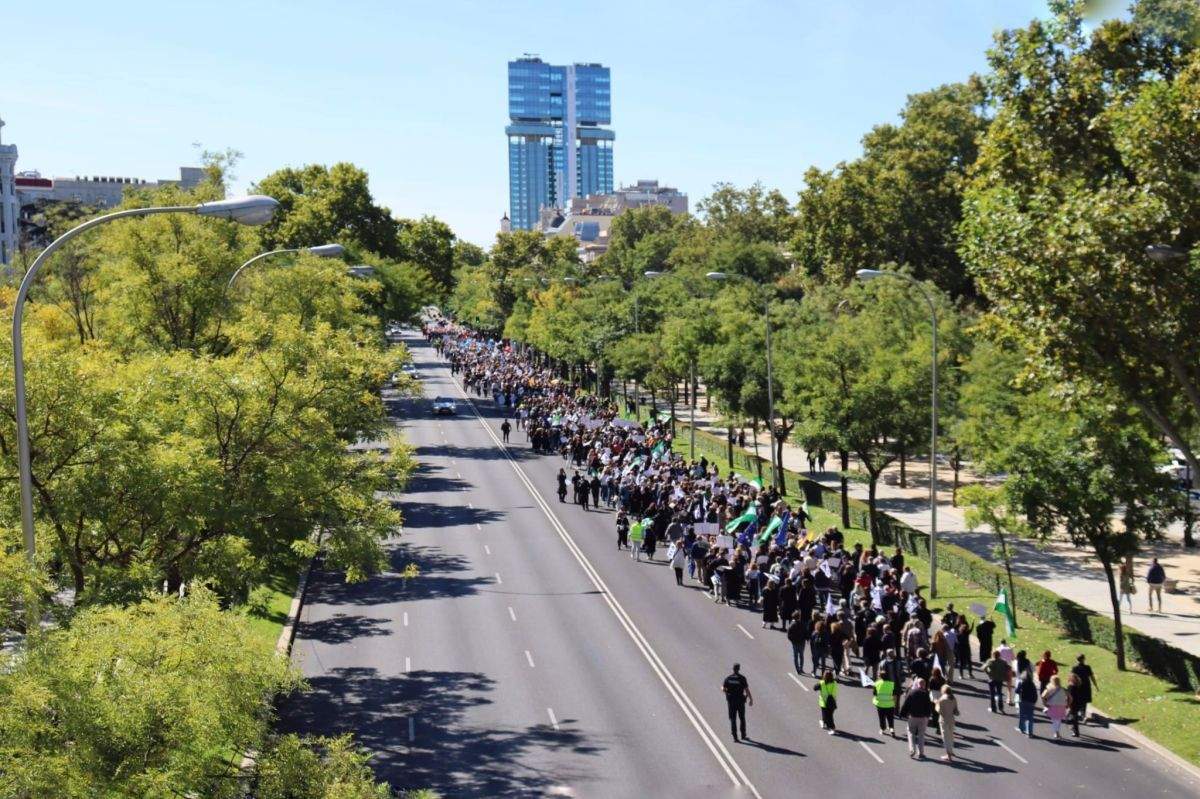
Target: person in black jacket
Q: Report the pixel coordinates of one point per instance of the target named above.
(798, 636)
(916, 708)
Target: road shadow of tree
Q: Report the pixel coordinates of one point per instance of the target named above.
(342, 628)
(440, 575)
(447, 752)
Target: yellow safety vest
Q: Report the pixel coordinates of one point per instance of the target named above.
(885, 695)
(828, 689)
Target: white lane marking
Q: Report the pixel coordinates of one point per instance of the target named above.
(498, 580)
(406, 618)
(1004, 746)
(407, 665)
(458, 475)
(529, 658)
(553, 719)
(412, 729)
(797, 680)
(747, 632)
(469, 505)
(512, 614)
(487, 549)
(477, 527)
(871, 752)
(715, 745)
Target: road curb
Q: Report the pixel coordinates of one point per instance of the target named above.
(1187, 767)
(283, 646)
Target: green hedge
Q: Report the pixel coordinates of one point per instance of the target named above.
(1154, 655)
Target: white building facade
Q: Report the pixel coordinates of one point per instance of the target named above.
(8, 201)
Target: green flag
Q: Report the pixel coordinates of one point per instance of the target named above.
(776, 523)
(1010, 621)
(756, 483)
(750, 515)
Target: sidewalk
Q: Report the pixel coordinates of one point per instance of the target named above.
(1058, 567)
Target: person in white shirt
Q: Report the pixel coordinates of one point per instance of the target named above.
(1008, 656)
(908, 581)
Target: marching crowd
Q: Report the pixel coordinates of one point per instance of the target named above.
(852, 615)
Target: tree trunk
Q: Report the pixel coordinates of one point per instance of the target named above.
(1118, 628)
(730, 442)
(871, 507)
(903, 468)
(779, 459)
(757, 457)
(845, 457)
(957, 462)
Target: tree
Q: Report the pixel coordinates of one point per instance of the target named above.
(430, 243)
(321, 205)
(1090, 158)
(155, 699)
(642, 239)
(1074, 471)
(317, 768)
(991, 507)
(753, 214)
(899, 202)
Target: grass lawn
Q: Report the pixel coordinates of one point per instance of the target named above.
(1156, 708)
(267, 626)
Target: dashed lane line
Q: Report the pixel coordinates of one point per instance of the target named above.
(406, 618)
(798, 681)
(1004, 746)
(529, 658)
(487, 550)
(871, 752)
(744, 630)
(498, 580)
(512, 614)
(714, 744)
(553, 718)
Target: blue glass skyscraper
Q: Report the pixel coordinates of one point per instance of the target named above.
(557, 148)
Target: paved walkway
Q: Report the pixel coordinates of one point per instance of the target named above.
(1058, 567)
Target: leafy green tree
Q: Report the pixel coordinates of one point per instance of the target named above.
(430, 243)
(321, 768)
(155, 699)
(320, 205)
(1089, 159)
(901, 201)
(751, 214)
(642, 239)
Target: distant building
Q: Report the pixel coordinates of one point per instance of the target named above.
(8, 201)
(505, 224)
(588, 219)
(557, 149)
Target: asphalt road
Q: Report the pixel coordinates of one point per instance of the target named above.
(531, 658)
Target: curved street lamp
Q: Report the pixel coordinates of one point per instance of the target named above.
(872, 274)
(321, 251)
(255, 209)
(776, 467)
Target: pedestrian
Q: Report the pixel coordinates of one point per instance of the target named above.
(935, 683)
(1087, 680)
(622, 530)
(1055, 700)
(1155, 578)
(884, 700)
(821, 460)
(962, 650)
(798, 636)
(984, 632)
(996, 670)
(1077, 703)
(770, 598)
(562, 485)
(1126, 585)
(947, 708)
(678, 558)
(1047, 667)
(819, 643)
(1027, 697)
(737, 694)
(1008, 656)
(505, 429)
(916, 710)
(827, 691)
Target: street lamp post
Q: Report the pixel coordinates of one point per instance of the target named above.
(321, 251)
(251, 210)
(871, 274)
(766, 297)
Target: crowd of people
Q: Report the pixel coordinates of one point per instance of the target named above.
(851, 615)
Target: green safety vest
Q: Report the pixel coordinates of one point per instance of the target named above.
(828, 689)
(885, 695)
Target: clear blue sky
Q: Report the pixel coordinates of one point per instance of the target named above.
(414, 92)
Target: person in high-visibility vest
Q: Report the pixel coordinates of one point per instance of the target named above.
(885, 705)
(827, 690)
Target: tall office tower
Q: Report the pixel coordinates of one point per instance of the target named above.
(557, 148)
(8, 202)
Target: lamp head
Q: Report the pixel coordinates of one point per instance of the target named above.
(326, 250)
(653, 273)
(717, 276)
(362, 271)
(869, 274)
(254, 209)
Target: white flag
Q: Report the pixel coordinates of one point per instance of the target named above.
(937, 663)
(864, 679)
(830, 607)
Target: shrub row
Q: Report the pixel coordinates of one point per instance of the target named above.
(1154, 655)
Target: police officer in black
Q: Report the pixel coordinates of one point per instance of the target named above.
(737, 694)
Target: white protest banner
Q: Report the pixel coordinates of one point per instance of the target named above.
(864, 679)
(978, 609)
(707, 528)
(724, 542)
(937, 663)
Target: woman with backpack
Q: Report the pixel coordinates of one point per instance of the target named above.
(1055, 700)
